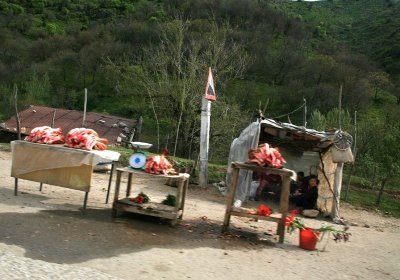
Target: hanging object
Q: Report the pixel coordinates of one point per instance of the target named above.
(341, 150)
(210, 89)
(342, 140)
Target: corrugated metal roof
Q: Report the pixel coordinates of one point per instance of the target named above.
(290, 135)
(105, 125)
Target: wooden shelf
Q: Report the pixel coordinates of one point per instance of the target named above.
(242, 212)
(151, 209)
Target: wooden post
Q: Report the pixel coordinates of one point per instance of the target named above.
(16, 112)
(283, 206)
(354, 155)
(379, 197)
(84, 109)
(54, 118)
(336, 192)
(305, 112)
(204, 141)
(231, 198)
(139, 128)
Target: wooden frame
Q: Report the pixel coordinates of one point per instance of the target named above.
(283, 204)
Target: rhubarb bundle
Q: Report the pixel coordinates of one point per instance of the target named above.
(265, 155)
(85, 138)
(46, 135)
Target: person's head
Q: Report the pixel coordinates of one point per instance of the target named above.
(300, 176)
(313, 181)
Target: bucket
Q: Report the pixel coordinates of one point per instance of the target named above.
(308, 239)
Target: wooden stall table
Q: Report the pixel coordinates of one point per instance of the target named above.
(152, 208)
(284, 199)
(57, 165)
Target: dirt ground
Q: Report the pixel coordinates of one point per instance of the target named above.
(50, 226)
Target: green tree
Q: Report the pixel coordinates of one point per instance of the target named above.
(318, 121)
(37, 90)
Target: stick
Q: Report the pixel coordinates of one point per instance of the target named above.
(84, 109)
(16, 111)
(54, 118)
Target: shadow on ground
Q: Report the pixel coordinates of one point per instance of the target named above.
(71, 237)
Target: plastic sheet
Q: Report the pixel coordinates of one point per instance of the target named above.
(247, 140)
(56, 164)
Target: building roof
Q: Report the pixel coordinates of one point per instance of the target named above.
(294, 137)
(109, 127)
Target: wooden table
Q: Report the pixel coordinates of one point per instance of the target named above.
(284, 198)
(152, 208)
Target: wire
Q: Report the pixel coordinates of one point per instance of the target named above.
(295, 110)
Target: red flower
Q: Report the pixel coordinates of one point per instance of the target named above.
(290, 219)
(139, 199)
(264, 210)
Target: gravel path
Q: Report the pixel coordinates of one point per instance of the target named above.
(14, 267)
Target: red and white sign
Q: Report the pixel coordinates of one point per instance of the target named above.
(210, 89)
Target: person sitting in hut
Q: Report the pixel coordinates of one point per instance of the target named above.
(299, 184)
(270, 186)
(306, 198)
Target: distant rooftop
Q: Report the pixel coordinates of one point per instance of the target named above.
(109, 127)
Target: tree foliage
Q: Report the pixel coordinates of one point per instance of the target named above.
(150, 58)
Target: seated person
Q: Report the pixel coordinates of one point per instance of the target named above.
(270, 184)
(306, 198)
(299, 183)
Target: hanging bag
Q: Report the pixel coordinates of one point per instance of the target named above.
(341, 151)
(342, 155)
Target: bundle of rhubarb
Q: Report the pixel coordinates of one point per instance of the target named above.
(265, 155)
(46, 135)
(85, 138)
(159, 164)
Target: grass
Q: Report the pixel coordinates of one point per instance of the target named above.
(390, 205)
(5, 147)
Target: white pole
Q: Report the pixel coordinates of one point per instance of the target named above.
(84, 109)
(204, 141)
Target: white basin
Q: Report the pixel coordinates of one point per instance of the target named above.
(141, 145)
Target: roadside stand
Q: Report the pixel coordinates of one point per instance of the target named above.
(156, 166)
(231, 210)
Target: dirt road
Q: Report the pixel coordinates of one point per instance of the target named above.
(49, 226)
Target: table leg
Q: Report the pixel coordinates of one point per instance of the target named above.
(110, 181)
(283, 207)
(129, 185)
(178, 202)
(231, 197)
(116, 194)
(41, 187)
(185, 187)
(85, 200)
(15, 186)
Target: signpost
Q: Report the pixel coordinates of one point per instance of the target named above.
(205, 128)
